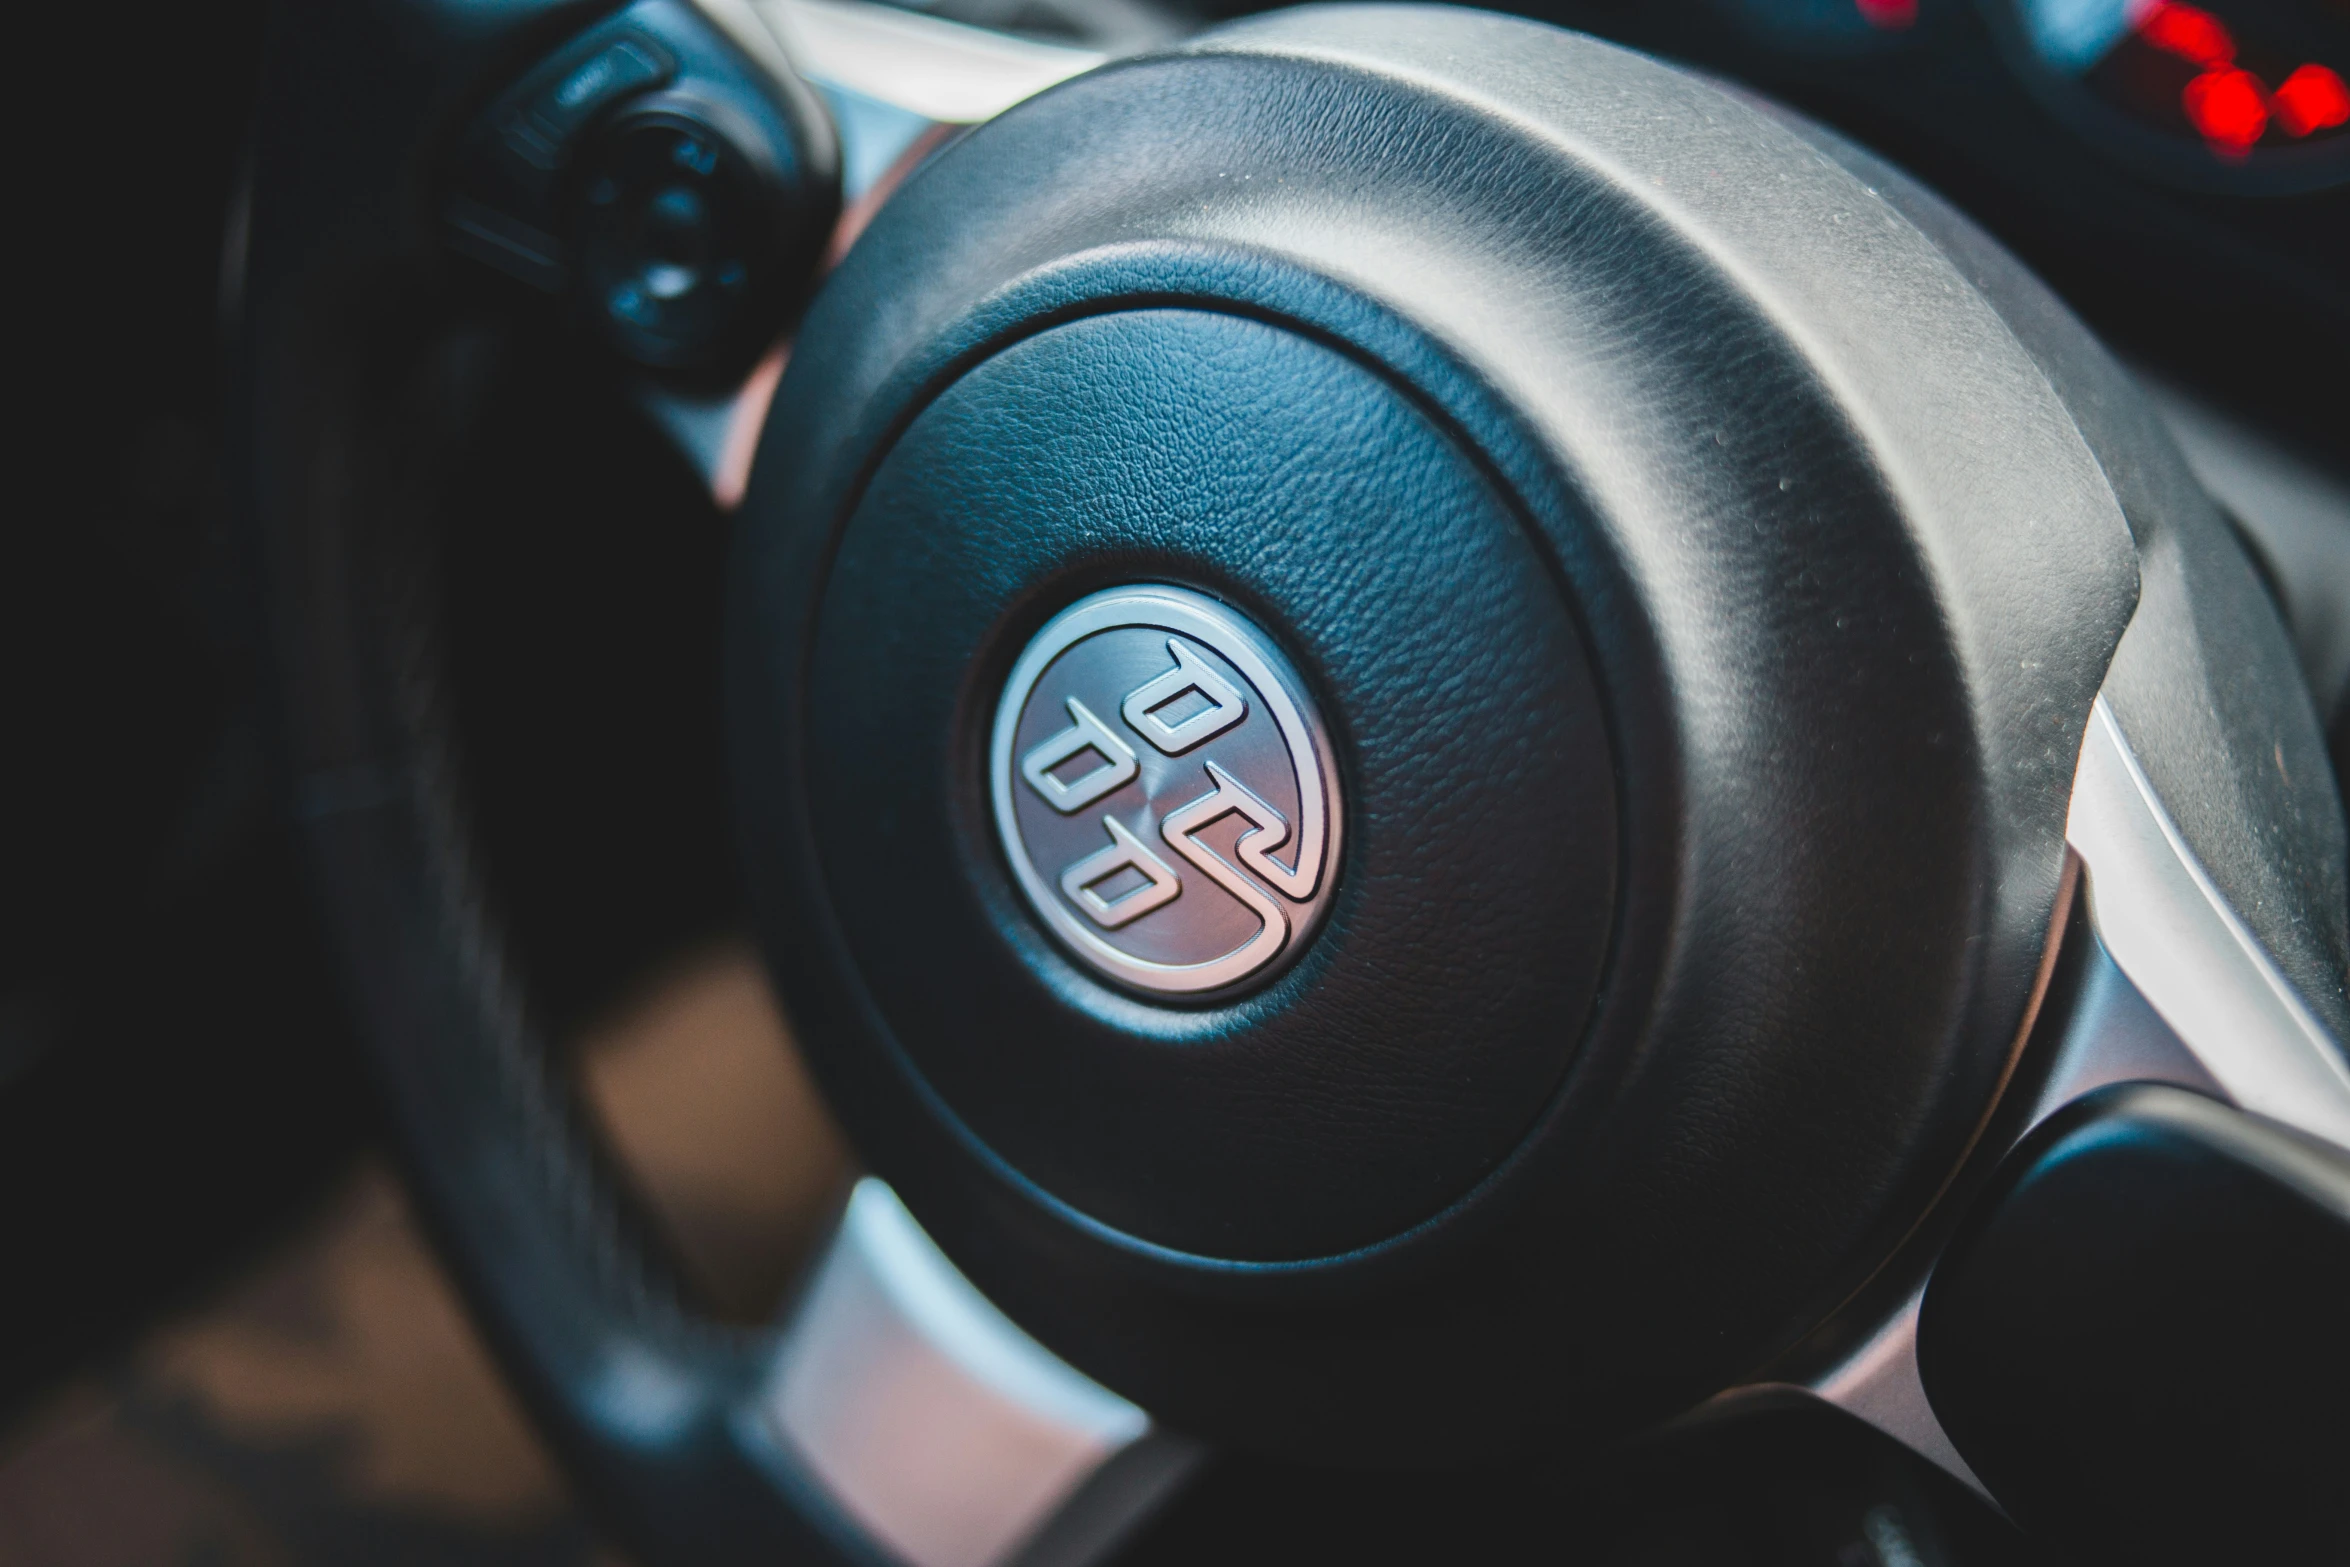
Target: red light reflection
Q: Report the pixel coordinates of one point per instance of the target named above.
(1890, 15)
(2229, 107)
(2312, 99)
(2188, 32)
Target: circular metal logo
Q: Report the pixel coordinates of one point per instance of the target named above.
(1164, 791)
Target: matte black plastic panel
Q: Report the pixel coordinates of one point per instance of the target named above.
(2205, 682)
(2142, 1345)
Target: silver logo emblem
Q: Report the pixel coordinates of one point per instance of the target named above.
(1164, 791)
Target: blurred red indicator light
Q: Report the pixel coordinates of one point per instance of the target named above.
(2229, 107)
(2312, 99)
(2188, 32)
(1891, 15)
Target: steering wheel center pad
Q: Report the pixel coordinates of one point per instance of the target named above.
(1409, 1049)
(1707, 593)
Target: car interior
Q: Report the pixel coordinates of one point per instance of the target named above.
(1048, 783)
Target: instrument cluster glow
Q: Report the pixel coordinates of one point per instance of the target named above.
(2243, 94)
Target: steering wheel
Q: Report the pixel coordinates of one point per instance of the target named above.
(1451, 746)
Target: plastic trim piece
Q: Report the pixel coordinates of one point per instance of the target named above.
(946, 1432)
(938, 69)
(2176, 991)
(2169, 931)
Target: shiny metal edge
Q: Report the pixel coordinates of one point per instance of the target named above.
(2155, 909)
(945, 1433)
(944, 71)
(1880, 1384)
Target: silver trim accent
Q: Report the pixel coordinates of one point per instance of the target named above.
(1268, 830)
(2174, 937)
(945, 1432)
(1085, 733)
(1880, 1384)
(941, 70)
(1126, 852)
(1181, 829)
(1225, 708)
(1184, 614)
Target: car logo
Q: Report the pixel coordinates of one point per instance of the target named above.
(1164, 791)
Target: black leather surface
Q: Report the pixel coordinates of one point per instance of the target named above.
(1425, 1029)
(1851, 578)
(2205, 683)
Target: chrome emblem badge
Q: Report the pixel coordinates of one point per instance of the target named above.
(1164, 791)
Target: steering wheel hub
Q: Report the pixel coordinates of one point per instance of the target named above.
(1079, 837)
(1286, 423)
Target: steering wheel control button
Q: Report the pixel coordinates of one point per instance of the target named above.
(1186, 845)
(537, 128)
(672, 197)
(674, 248)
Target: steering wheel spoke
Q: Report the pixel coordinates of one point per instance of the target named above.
(2166, 985)
(950, 1435)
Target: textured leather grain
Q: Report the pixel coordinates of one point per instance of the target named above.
(2204, 683)
(1424, 1031)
